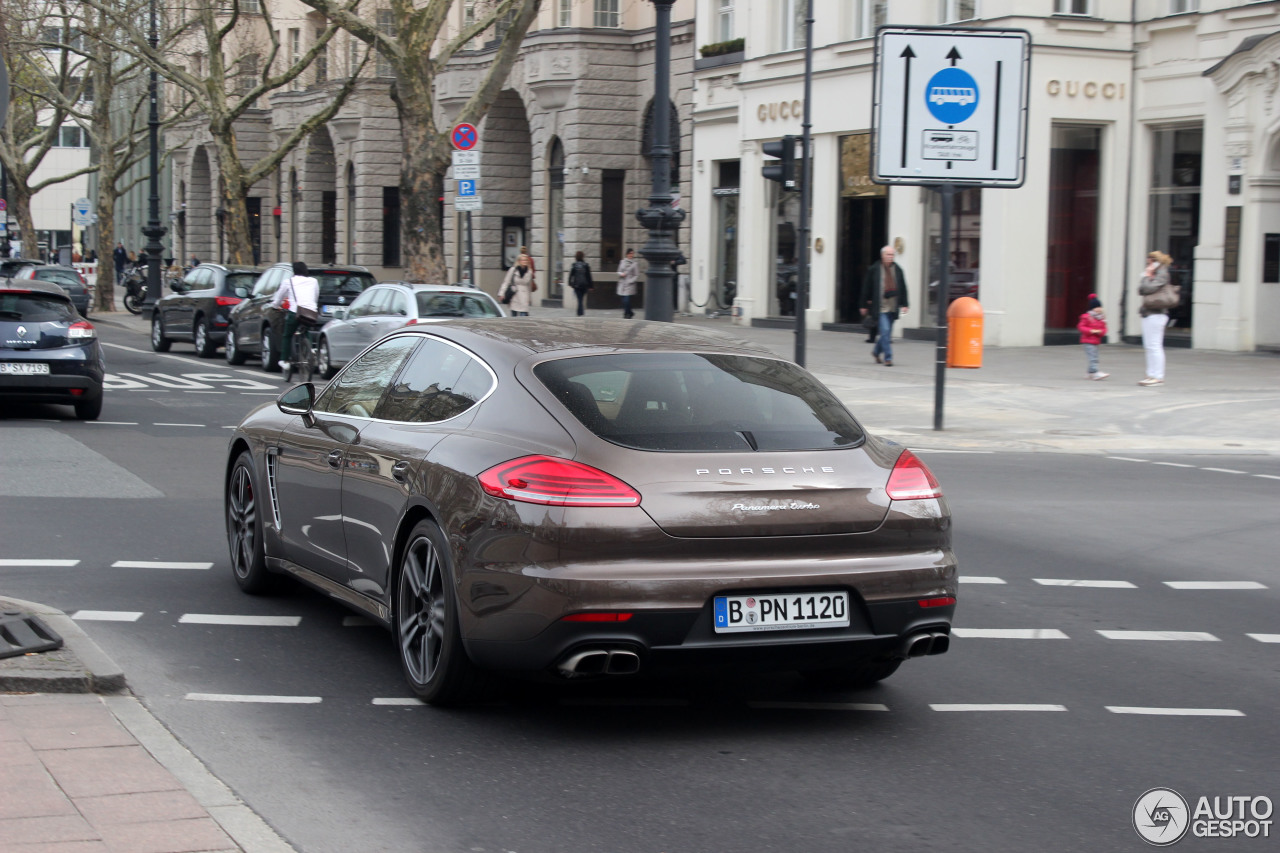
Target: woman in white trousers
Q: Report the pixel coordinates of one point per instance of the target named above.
(1154, 318)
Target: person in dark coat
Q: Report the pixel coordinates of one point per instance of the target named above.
(884, 294)
(119, 257)
(580, 280)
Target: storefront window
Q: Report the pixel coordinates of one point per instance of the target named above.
(724, 282)
(1175, 210)
(786, 218)
(555, 219)
(966, 244)
(1072, 262)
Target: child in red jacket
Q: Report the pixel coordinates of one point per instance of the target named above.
(1093, 331)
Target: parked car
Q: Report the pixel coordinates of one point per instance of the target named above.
(394, 305)
(48, 352)
(199, 308)
(9, 267)
(962, 283)
(68, 278)
(594, 498)
(256, 327)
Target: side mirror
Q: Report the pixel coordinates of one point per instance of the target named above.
(242, 292)
(175, 286)
(298, 400)
(339, 313)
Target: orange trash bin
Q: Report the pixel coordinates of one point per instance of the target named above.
(964, 333)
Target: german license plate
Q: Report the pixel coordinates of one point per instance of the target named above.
(789, 612)
(24, 368)
(326, 309)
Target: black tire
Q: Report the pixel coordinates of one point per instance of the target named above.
(324, 363)
(305, 362)
(159, 342)
(89, 410)
(132, 304)
(425, 611)
(231, 351)
(863, 674)
(268, 356)
(244, 529)
(205, 347)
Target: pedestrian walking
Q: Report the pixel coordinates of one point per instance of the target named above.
(524, 250)
(299, 297)
(580, 280)
(1159, 296)
(884, 298)
(1093, 331)
(518, 286)
(119, 257)
(628, 273)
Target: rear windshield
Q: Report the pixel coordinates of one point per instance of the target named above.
(689, 401)
(343, 283)
(244, 280)
(35, 308)
(454, 305)
(58, 276)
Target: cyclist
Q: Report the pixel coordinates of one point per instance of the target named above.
(299, 296)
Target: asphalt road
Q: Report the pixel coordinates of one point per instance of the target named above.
(1039, 730)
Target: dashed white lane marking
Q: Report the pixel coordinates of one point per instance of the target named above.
(222, 619)
(1215, 585)
(243, 697)
(113, 423)
(639, 702)
(181, 425)
(1010, 633)
(1265, 638)
(107, 615)
(1177, 636)
(411, 701)
(1086, 584)
(38, 564)
(822, 706)
(1268, 476)
(157, 564)
(1174, 464)
(979, 579)
(998, 706)
(358, 622)
(1176, 712)
(1224, 470)
(1126, 459)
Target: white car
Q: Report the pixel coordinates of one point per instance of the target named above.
(393, 305)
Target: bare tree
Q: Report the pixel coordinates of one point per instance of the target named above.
(415, 48)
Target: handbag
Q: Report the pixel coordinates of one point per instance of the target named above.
(533, 286)
(508, 294)
(868, 322)
(310, 315)
(1167, 296)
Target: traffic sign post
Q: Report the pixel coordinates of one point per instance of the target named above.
(464, 136)
(949, 110)
(466, 170)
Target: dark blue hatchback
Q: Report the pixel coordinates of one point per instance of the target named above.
(48, 352)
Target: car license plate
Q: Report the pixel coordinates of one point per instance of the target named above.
(23, 367)
(326, 309)
(789, 612)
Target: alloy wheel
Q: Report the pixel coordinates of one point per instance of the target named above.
(421, 610)
(242, 522)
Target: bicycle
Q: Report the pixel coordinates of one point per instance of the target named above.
(305, 358)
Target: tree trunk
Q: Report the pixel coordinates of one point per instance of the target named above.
(106, 287)
(20, 203)
(423, 164)
(234, 193)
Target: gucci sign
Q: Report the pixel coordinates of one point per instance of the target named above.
(780, 110)
(1089, 88)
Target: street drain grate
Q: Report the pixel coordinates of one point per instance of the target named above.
(22, 633)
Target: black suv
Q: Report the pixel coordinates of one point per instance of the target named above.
(199, 308)
(256, 327)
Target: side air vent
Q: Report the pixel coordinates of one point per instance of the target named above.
(273, 461)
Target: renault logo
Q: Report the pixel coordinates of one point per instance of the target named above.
(22, 331)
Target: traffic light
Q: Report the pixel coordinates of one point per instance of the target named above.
(783, 171)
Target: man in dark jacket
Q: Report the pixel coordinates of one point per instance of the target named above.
(119, 257)
(884, 295)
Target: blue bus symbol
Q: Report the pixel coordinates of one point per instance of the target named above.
(951, 95)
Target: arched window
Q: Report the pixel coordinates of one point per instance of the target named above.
(555, 217)
(351, 212)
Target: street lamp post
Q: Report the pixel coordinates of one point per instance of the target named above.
(154, 230)
(660, 217)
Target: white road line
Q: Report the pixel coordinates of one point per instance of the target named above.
(208, 392)
(242, 697)
(1224, 470)
(36, 564)
(1174, 464)
(107, 615)
(157, 564)
(261, 393)
(1265, 638)
(1010, 633)
(412, 700)
(114, 423)
(260, 621)
(1176, 712)
(1215, 585)
(1126, 459)
(1086, 584)
(1267, 476)
(182, 425)
(605, 701)
(358, 622)
(996, 706)
(1185, 636)
(822, 706)
(979, 579)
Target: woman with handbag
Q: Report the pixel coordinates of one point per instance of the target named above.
(518, 287)
(1159, 296)
(299, 296)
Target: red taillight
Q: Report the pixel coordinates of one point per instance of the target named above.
(81, 331)
(227, 300)
(557, 482)
(412, 322)
(15, 290)
(942, 601)
(83, 280)
(912, 480)
(596, 617)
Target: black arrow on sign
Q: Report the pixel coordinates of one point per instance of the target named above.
(908, 55)
(953, 55)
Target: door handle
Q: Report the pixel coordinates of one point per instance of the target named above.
(400, 471)
(335, 458)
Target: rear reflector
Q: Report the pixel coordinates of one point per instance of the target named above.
(596, 617)
(912, 480)
(943, 601)
(76, 392)
(81, 331)
(556, 482)
(227, 300)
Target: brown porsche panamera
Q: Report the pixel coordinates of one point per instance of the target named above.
(594, 498)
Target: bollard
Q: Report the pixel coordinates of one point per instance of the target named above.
(964, 333)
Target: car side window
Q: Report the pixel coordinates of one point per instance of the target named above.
(399, 304)
(358, 389)
(268, 283)
(197, 279)
(438, 382)
(363, 306)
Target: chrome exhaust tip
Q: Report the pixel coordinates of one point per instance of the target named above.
(623, 663)
(589, 662)
(919, 645)
(941, 642)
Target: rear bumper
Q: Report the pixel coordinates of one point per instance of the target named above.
(56, 387)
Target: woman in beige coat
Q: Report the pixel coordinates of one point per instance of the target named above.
(519, 277)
